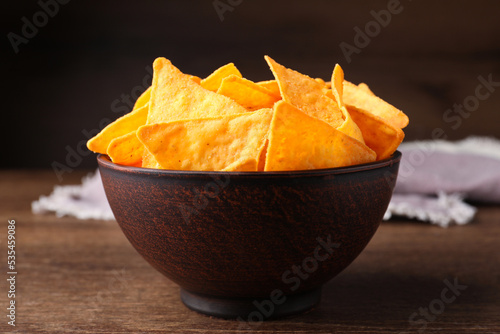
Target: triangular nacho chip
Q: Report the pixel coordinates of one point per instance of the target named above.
(149, 161)
(126, 150)
(246, 93)
(261, 163)
(364, 87)
(123, 125)
(175, 96)
(231, 143)
(361, 99)
(195, 79)
(306, 93)
(379, 135)
(143, 99)
(272, 86)
(213, 81)
(349, 127)
(300, 142)
(337, 84)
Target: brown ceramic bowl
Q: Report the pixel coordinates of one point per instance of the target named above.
(254, 245)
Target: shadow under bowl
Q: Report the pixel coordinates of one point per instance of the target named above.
(248, 245)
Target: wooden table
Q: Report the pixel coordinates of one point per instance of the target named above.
(84, 277)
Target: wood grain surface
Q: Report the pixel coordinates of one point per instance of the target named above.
(84, 277)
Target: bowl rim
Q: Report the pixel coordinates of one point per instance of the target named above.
(104, 161)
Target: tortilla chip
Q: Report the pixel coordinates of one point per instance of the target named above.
(364, 87)
(174, 96)
(306, 94)
(195, 78)
(126, 150)
(272, 86)
(177, 96)
(379, 135)
(149, 161)
(300, 142)
(246, 93)
(143, 99)
(230, 143)
(249, 165)
(261, 163)
(213, 81)
(359, 98)
(123, 125)
(337, 84)
(321, 81)
(350, 128)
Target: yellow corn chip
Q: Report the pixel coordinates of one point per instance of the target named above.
(246, 93)
(272, 86)
(364, 87)
(249, 165)
(379, 135)
(321, 81)
(300, 142)
(121, 126)
(177, 96)
(231, 143)
(306, 94)
(261, 163)
(337, 84)
(149, 161)
(359, 98)
(213, 81)
(195, 78)
(174, 96)
(126, 150)
(143, 99)
(349, 127)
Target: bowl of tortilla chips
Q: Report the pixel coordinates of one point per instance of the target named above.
(250, 195)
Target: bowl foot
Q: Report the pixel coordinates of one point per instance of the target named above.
(251, 309)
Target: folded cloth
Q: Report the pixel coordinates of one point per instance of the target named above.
(435, 177)
(85, 201)
(443, 210)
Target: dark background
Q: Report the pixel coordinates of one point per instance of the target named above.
(71, 75)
